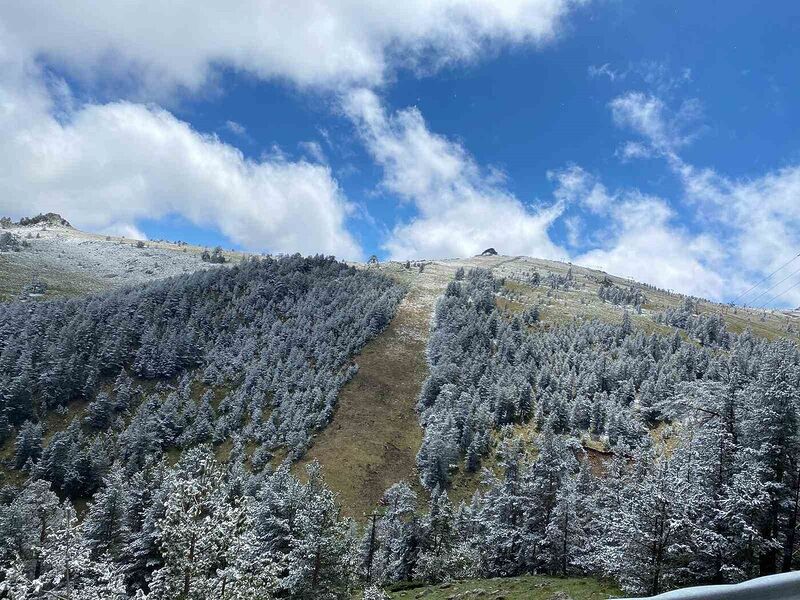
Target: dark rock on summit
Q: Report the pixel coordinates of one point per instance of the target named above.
(46, 219)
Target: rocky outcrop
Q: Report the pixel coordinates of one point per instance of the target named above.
(51, 218)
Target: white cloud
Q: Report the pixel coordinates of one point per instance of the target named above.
(632, 150)
(106, 166)
(660, 77)
(574, 226)
(165, 46)
(757, 218)
(665, 131)
(762, 214)
(462, 209)
(236, 128)
(605, 70)
(636, 237)
(314, 151)
(125, 230)
(646, 245)
(575, 185)
(645, 115)
(657, 76)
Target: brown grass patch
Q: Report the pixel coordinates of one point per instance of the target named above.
(374, 437)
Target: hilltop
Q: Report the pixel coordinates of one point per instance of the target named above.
(71, 262)
(48, 219)
(309, 391)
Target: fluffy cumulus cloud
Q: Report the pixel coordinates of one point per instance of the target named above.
(647, 245)
(761, 214)
(177, 44)
(575, 186)
(461, 208)
(637, 236)
(756, 220)
(107, 166)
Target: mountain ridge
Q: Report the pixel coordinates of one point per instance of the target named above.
(79, 262)
(439, 403)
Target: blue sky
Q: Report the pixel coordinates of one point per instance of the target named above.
(656, 140)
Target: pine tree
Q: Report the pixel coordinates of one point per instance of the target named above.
(196, 530)
(640, 543)
(65, 568)
(627, 327)
(395, 557)
(105, 527)
(123, 391)
(563, 533)
(502, 513)
(25, 524)
(320, 556)
(100, 412)
(776, 438)
(28, 445)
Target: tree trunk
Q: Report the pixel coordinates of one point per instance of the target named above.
(564, 545)
(658, 557)
(371, 552)
(768, 559)
(187, 574)
(317, 565)
(791, 527)
(37, 570)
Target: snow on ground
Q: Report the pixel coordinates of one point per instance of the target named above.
(72, 262)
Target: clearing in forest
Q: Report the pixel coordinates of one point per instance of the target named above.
(374, 437)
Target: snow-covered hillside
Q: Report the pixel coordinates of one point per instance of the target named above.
(72, 262)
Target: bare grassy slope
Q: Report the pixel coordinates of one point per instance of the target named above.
(582, 301)
(374, 436)
(373, 439)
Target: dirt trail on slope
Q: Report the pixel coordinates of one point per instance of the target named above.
(374, 437)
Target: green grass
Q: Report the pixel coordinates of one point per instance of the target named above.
(534, 587)
(373, 439)
(16, 273)
(582, 301)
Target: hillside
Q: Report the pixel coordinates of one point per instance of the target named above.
(374, 437)
(71, 262)
(611, 429)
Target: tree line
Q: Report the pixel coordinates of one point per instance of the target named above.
(657, 460)
(696, 437)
